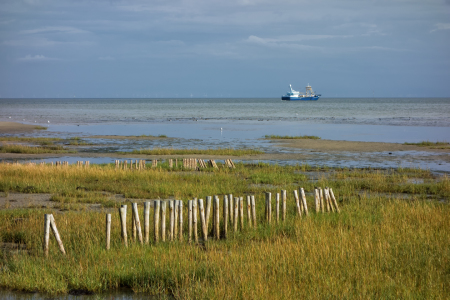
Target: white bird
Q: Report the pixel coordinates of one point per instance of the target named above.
(220, 128)
(48, 121)
(10, 117)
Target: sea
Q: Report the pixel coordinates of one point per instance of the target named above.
(243, 123)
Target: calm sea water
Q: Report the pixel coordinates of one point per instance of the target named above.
(361, 119)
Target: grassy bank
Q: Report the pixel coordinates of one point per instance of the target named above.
(11, 148)
(433, 145)
(380, 246)
(219, 151)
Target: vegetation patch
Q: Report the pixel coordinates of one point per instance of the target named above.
(34, 149)
(432, 145)
(288, 137)
(219, 151)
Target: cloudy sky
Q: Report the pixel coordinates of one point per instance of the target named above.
(226, 48)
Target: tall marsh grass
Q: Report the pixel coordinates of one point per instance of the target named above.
(379, 246)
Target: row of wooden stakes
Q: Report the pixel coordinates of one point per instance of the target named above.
(233, 215)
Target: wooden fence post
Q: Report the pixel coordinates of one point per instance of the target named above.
(208, 211)
(123, 222)
(202, 219)
(156, 219)
(225, 215)
(321, 200)
(146, 221)
(317, 199)
(171, 220)
(268, 207)
(236, 213)
(230, 199)
(180, 211)
(46, 233)
(297, 203)
(194, 209)
(334, 200)
(249, 211)
(253, 210)
(216, 217)
(175, 219)
(190, 220)
(277, 208)
(108, 231)
(305, 206)
(163, 220)
(241, 211)
(56, 234)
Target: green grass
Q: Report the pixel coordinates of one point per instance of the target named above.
(288, 137)
(171, 151)
(33, 150)
(40, 127)
(380, 246)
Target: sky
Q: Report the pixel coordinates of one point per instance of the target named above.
(227, 48)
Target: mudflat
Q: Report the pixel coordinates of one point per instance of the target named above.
(15, 127)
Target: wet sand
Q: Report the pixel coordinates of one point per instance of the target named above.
(15, 127)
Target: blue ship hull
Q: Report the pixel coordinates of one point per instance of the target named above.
(300, 98)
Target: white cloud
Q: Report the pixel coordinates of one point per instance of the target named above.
(36, 58)
(441, 26)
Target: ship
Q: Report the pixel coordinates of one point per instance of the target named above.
(310, 95)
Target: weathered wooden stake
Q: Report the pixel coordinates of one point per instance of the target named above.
(137, 223)
(163, 220)
(216, 218)
(236, 213)
(157, 204)
(268, 207)
(230, 198)
(278, 207)
(305, 206)
(253, 210)
(47, 218)
(241, 211)
(297, 203)
(202, 219)
(108, 231)
(147, 221)
(194, 209)
(123, 222)
(321, 200)
(328, 200)
(190, 220)
(56, 234)
(208, 211)
(284, 197)
(133, 224)
(334, 200)
(249, 211)
(317, 199)
(180, 211)
(225, 215)
(171, 220)
(175, 219)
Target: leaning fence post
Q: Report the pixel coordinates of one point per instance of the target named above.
(305, 206)
(137, 223)
(108, 231)
(56, 234)
(146, 221)
(317, 199)
(123, 222)
(334, 200)
(47, 233)
(268, 207)
(241, 211)
(321, 200)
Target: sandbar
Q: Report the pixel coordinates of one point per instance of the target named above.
(15, 127)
